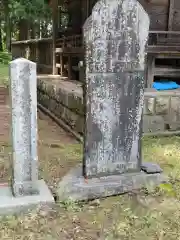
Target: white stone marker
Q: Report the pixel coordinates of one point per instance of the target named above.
(23, 84)
(26, 192)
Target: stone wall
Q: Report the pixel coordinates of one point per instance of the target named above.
(165, 114)
(65, 100)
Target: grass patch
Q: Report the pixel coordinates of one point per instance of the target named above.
(165, 152)
(154, 213)
(5, 58)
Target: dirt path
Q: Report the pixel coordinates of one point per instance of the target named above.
(53, 142)
(58, 153)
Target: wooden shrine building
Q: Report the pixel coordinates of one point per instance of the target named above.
(62, 53)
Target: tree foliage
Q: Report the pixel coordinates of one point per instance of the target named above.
(28, 9)
(32, 13)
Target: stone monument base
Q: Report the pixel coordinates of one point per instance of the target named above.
(74, 186)
(12, 205)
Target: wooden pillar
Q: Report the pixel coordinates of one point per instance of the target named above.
(75, 20)
(171, 15)
(150, 70)
(87, 8)
(84, 10)
(54, 35)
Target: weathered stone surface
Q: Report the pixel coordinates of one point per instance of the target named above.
(169, 115)
(79, 127)
(150, 123)
(162, 105)
(153, 124)
(62, 97)
(151, 168)
(76, 103)
(24, 126)
(10, 204)
(62, 103)
(115, 37)
(70, 117)
(26, 192)
(74, 186)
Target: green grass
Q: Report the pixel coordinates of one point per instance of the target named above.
(154, 213)
(5, 58)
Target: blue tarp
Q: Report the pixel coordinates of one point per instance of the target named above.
(165, 85)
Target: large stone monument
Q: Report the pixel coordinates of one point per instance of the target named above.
(115, 38)
(26, 190)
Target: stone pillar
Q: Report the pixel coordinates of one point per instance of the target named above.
(26, 191)
(23, 85)
(115, 37)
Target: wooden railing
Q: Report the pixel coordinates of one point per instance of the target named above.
(69, 51)
(167, 41)
(71, 41)
(41, 52)
(36, 50)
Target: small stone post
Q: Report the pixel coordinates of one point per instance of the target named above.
(23, 84)
(26, 191)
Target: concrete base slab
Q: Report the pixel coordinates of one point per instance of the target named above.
(74, 186)
(13, 205)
